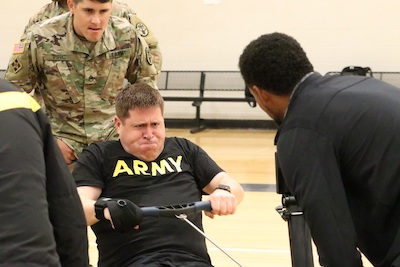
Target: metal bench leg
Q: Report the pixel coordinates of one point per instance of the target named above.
(198, 119)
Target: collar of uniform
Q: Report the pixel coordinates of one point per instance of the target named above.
(108, 38)
(105, 44)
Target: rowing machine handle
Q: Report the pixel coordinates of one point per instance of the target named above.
(174, 210)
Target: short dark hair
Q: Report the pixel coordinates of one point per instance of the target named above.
(138, 95)
(274, 62)
(101, 1)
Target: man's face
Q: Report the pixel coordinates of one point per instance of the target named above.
(142, 134)
(90, 18)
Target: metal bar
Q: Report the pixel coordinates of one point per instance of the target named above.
(184, 218)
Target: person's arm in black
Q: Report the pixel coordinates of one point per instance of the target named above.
(311, 171)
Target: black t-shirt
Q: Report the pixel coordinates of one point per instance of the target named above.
(176, 176)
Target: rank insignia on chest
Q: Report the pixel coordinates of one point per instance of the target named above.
(19, 48)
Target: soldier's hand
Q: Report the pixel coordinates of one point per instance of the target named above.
(222, 203)
(67, 152)
(123, 214)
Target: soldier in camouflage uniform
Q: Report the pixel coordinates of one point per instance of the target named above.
(78, 61)
(119, 9)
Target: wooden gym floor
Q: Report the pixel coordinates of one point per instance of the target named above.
(256, 235)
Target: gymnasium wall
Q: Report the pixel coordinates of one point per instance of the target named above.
(211, 34)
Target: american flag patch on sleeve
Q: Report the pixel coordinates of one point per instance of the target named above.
(19, 48)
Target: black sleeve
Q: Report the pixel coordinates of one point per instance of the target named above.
(65, 208)
(88, 170)
(312, 174)
(41, 212)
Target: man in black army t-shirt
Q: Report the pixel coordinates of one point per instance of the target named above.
(148, 169)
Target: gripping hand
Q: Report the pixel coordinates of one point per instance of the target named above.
(125, 215)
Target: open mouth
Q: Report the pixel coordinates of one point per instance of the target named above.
(95, 29)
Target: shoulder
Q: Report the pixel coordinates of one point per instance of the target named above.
(120, 24)
(181, 143)
(57, 20)
(43, 14)
(121, 9)
(103, 146)
(15, 98)
(177, 140)
(120, 29)
(6, 86)
(100, 153)
(49, 26)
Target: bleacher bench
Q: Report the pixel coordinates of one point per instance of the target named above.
(202, 86)
(217, 86)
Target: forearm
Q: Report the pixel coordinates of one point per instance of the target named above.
(89, 196)
(222, 201)
(236, 188)
(223, 178)
(88, 208)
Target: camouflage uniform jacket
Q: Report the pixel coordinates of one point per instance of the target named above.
(119, 9)
(79, 86)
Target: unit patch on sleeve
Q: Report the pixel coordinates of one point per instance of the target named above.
(16, 65)
(142, 29)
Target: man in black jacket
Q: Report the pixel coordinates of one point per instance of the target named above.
(338, 147)
(42, 219)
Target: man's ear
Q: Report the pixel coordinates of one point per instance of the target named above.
(262, 95)
(71, 6)
(117, 122)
